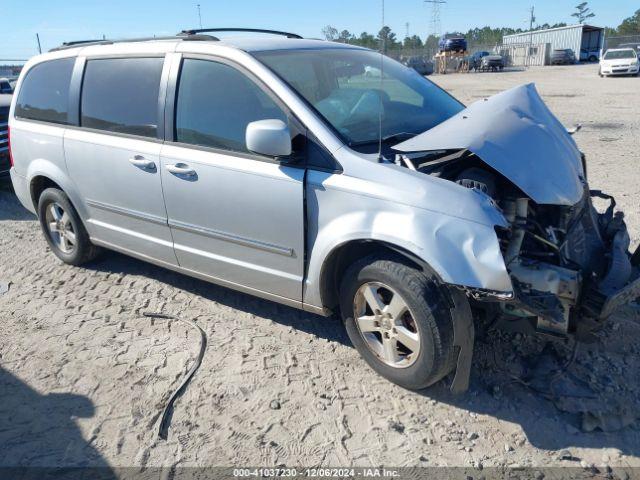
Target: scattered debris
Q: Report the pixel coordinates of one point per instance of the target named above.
(580, 388)
(397, 426)
(4, 287)
(566, 455)
(274, 405)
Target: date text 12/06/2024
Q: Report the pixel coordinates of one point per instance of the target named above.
(315, 473)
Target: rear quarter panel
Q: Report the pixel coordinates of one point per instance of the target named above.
(38, 150)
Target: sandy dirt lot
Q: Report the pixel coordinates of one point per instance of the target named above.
(84, 375)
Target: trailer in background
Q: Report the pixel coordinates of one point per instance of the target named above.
(576, 37)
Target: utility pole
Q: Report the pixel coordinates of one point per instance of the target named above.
(39, 46)
(407, 30)
(532, 19)
(199, 16)
(435, 17)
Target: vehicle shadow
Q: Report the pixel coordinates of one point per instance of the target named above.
(329, 328)
(39, 437)
(10, 207)
(592, 399)
(493, 391)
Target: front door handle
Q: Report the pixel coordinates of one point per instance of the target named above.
(181, 169)
(141, 162)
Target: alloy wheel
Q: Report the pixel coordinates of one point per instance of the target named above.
(60, 228)
(386, 324)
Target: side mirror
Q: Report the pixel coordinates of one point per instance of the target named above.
(269, 137)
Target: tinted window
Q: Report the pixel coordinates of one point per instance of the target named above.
(44, 94)
(121, 95)
(216, 103)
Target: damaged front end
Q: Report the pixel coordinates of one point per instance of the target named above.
(569, 265)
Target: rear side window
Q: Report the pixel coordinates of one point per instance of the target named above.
(216, 102)
(121, 95)
(44, 94)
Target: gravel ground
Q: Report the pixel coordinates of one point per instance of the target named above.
(84, 375)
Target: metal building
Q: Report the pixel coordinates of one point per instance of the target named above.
(575, 37)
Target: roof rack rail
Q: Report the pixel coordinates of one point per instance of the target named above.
(104, 41)
(249, 30)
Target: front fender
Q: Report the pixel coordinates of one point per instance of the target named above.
(461, 252)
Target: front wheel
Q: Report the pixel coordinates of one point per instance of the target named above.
(400, 320)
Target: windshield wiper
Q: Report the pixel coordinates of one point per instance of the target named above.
(398, 137)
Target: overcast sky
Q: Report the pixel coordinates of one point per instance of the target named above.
(63, 20)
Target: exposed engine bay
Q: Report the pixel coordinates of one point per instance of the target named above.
(569, 265)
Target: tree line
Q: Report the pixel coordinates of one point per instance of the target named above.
(475, 36)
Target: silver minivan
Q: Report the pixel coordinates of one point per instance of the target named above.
(275, 165)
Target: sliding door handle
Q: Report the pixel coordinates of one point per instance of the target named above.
(181, 169)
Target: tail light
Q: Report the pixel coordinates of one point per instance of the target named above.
(9, 145)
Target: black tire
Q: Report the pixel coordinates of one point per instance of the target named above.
(430, 305)
(82, 250)
(593, 58)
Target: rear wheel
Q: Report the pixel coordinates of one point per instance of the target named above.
(400, 320)
(63, 228)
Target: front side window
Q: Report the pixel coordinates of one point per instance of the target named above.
(215, 104)
(121, 95)
(353, 92)
(44, 94)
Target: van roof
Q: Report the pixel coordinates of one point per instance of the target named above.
(245, 42)
(259, 43)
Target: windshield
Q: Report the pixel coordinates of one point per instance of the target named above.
(347, 88)
(613, 55)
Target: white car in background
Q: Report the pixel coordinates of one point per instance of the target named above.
(619, 61)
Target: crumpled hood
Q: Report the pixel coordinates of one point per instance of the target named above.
(516, 134)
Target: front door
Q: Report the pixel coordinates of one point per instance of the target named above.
(235, 216)
(114, 157)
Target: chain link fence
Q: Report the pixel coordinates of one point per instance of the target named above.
(514, 56)
(627, 41)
